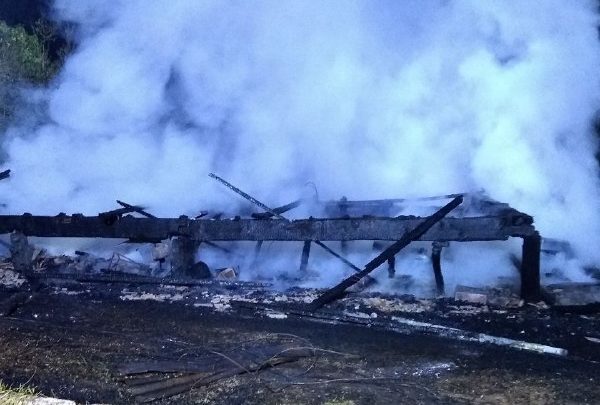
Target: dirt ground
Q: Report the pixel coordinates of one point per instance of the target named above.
(69, 341)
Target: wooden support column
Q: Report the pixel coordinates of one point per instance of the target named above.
(436, 261)
(305, 254)
(183, 252)
(21, 252)
(391, 267)
(530, 267)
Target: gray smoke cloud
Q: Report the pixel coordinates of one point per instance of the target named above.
(368, 99)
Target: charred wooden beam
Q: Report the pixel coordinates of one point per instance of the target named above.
(413, 234)
(128, 227)
(5, 174)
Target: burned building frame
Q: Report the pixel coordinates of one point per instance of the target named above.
(344, 221)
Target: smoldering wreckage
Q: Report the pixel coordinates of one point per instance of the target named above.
(554, 323)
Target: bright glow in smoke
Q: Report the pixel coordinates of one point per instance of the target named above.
(368, 99)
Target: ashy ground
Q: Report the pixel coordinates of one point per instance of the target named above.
(69, 341)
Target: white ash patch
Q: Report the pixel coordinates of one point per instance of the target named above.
(10, 278)
(142, 296)
(303, 296)
(466, 310)
(389, 305)
(361, 315)
(179, 288)
(276, 315)
(66, 291)
(222, 302)
(434, 369)
(203, 304)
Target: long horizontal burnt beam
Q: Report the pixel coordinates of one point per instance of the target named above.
(484, 228)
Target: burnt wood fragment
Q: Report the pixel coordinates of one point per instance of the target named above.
(279, 210)
(136, 208)
(112, 216)
(211, 367)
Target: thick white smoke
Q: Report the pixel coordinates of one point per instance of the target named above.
(368, 99)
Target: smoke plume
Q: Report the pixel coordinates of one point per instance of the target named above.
(367, 99)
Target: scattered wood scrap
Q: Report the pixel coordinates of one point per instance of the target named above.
(150, 380)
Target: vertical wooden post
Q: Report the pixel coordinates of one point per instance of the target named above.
(391, 267)
(436, 261)
(21, 252)
(530, 267)
(305, 254)
(183, 252)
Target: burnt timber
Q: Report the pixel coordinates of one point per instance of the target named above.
(484, 228)
(498, 222)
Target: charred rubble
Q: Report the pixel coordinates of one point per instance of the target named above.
(486, 317)
(465, 218)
